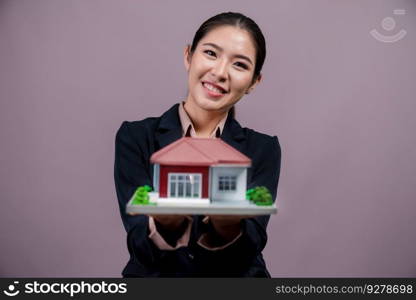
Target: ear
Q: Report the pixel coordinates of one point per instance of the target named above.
(254, 84)
(187, 57)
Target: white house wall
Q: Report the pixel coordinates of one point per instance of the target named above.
(241, 184)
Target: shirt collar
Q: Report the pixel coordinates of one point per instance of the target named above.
(188, 127)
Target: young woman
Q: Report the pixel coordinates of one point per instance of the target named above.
(223, 63)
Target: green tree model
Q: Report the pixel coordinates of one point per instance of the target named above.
(141, 195)
(259, 195)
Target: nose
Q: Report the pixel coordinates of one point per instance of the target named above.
(219, 70)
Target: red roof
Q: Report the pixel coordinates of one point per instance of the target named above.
(189, 151)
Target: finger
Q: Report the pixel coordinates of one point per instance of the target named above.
(229, 217)
(134, 214)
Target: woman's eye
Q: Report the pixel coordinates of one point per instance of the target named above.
(241, 65)
(210, 52)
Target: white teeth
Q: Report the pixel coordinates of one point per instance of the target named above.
(212, 88)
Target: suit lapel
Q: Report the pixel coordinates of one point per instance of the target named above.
(169, 129)
(233, 134)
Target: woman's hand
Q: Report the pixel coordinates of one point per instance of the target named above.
(227, 227)
(171, 227)
(169, 222)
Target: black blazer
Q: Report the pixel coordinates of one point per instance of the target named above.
(135, 143)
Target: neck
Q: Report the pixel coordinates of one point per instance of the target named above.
(204, 121)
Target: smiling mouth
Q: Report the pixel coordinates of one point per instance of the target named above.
(214, 89)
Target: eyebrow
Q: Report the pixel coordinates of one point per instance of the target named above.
(220, 49)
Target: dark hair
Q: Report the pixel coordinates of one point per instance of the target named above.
(240, 21)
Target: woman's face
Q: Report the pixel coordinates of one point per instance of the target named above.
(220, 71)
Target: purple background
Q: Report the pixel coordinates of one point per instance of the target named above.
(341, 102)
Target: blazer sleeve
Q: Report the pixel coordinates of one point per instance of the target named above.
(240, 255)
(130, 171)
(266, 173)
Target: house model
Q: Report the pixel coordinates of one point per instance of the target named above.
(199, 171)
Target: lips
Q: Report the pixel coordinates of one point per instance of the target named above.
(215, 88)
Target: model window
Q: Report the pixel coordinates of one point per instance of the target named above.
(184, 185)
(227, 183)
